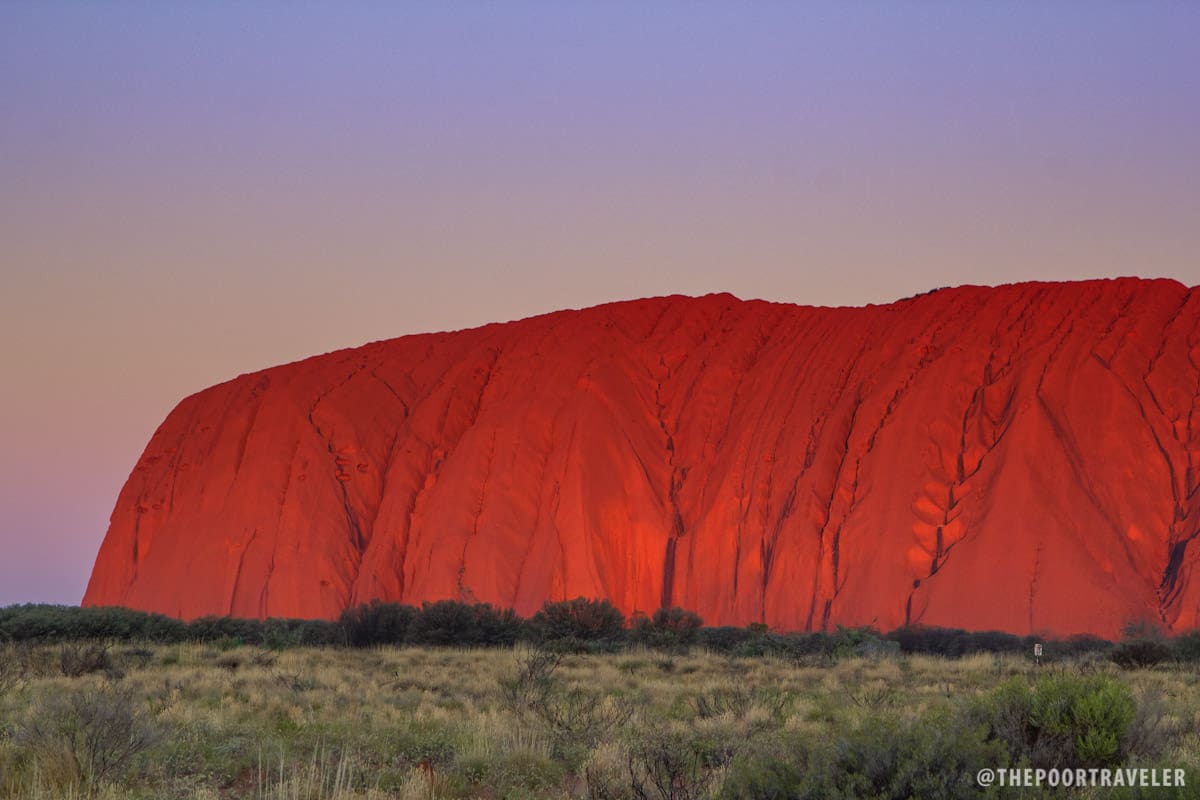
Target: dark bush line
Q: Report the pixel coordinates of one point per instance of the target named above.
(49, 623)
(580, 625)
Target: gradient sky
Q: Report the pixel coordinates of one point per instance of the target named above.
(192, 192)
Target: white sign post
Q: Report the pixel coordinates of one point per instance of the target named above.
(1037, 654)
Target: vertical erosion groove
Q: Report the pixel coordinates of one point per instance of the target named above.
(773, 441)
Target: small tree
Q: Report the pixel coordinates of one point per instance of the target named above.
(1142, 646)
(668, 627)
(376, 623)
(446, 622)
(1187, 646)
(496, 626)
(577, 621)
(1140, 653)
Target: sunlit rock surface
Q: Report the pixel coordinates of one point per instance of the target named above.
(1023, 458)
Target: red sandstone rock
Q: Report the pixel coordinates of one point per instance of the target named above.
(1025, 458)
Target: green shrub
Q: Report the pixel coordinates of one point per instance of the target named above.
(1138, 653)
(669, 764)
(1186, 646)
(864, 642)
(1100, 720)
(667, 628)
(224, 632)
(1064, 720)
(761, 642)
(723, 638)
(953, 642)
(1081, 644)
(424, 741)
(512, 774)
(578, 621)
(496, 627)
(445, 622)
(807, 646)
(34, 622)
(281, 634)
(885, 758)
(936, 757)
(376, 623)
(71, 623)
(774, 769)
(76, 659)
(758, 640)
(451, 623)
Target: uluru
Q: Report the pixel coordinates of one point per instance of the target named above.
(1022, 458)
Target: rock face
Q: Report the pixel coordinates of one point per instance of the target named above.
(1023, 458)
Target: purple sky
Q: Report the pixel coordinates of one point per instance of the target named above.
(187, 193)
